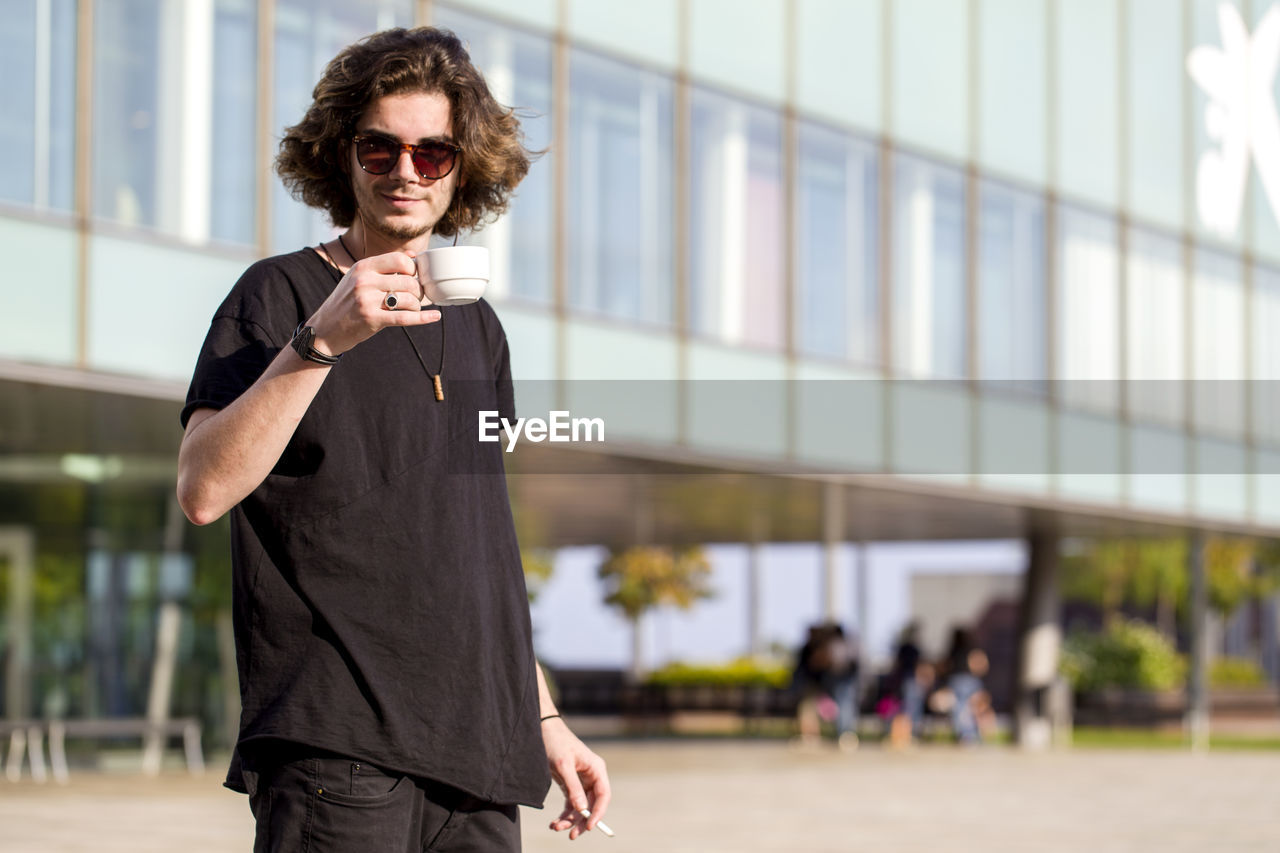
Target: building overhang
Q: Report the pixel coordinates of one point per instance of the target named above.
(61, 424)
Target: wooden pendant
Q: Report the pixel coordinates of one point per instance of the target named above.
(435, 381)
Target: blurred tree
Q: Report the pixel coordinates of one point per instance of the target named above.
(641, 578)
(1099, 574)
(1159, 579)
(538, 561)
(1229, 571)
(210, 602)
(1110, 573)
(1127, 653)
(1266, 569)
(539, 565)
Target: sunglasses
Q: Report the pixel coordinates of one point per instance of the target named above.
(378, 155)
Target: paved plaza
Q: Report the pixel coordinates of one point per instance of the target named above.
(743, 796)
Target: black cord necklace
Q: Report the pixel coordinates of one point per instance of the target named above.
(437, 382)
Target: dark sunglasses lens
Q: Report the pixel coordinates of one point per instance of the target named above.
(376, 155)
(433, 160)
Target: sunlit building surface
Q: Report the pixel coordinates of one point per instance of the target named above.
(878, 270)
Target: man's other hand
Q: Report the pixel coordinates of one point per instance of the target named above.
(581, 775)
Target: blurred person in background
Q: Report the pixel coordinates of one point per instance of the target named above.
(826, 679)
(806, 683)
(390, 696)
(909, 680)
(963, 696)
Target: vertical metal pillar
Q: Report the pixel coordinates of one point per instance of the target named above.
(1269, 637)
(755, 579)
(18, 545)
(165, 662)
(644, 537)
(1039, 642)
(1197, 715)
(832, 536)
(264, 121)
(862, 581)
(83, 170)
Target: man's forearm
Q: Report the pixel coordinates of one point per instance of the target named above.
(226, 454)
(545, 705)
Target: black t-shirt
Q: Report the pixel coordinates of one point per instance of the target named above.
(379, 601)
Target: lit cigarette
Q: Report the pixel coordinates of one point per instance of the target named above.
(600, 825)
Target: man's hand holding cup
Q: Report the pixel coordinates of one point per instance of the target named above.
(377, 292)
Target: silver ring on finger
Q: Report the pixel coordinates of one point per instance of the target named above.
(390, 301)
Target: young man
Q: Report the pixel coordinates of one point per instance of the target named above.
(390, 696)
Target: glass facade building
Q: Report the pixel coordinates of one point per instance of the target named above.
(1028, 220)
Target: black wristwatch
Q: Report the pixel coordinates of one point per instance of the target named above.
(304, 339)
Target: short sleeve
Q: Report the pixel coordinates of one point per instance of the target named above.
(253, 324)
(235, 353)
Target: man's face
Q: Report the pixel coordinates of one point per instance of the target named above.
(402, 205)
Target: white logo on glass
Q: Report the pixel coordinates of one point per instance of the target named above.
(1241, 116)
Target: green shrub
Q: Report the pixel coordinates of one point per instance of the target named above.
(1129, 653)
(1236, 672)
(742, 672)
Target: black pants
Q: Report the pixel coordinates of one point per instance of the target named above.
(305, 801)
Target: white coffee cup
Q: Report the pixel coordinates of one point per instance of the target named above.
(453, 275)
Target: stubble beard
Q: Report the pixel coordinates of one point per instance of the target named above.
(397, 233)
(392, 230)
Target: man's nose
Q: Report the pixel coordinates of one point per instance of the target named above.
(404, 168)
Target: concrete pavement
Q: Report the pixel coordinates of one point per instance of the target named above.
(762, 796)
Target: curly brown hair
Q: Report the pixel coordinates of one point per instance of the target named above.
(312, 159)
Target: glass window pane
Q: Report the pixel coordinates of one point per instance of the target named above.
(1265, 366)
(646, 31)
(735, 284)
(930, 301)
(1222, 162)
(838, 304)
(37, 125)
(1266, 216)
(621, 147)
(19, 37)
(1087, 80)
(541, 13)
(1156, 66)
(174, 117)
(930, 101)
(1217, 323)
(49, 254)
(62, 108)
(127, 74)
(839, 60)
(309, 34)
(1011, 288)
(1156, 320)
(121, 301)
(1011, 79)
(1266, 197)
(517, 67)
(234, 172)
(1088, 311)
(739, 44)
